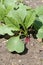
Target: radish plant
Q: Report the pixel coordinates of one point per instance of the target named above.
(16, 19)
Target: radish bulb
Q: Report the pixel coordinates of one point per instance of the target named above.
(27, 40)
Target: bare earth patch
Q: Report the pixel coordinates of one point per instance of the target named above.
(33, 55)
(34, 3)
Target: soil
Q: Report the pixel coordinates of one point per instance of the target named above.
(33, 3)
(33, 54)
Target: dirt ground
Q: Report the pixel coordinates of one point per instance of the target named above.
(33, 3)
(33, 54)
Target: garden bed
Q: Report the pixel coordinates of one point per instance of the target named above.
(33, 54)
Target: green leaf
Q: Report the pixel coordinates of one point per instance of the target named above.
(2, 1)
(39, 10)
(41, 18)
(15, 44)
(21, 5)
(22, 11)
(19, 14)
(19, 0)
(15, 16)
(0, 18)
(2, 11)
(40, 33)
(10, 3)
(8, 9)
(30, 18)
(37, 24)
(11, 23)
(6, 30)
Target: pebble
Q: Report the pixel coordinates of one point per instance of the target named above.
(5, 41)
(36, 57)
(42, 46)
(42, 0)
(32, 44)
(39, 40)
(27, 1)
(14, 63)
(19, 61)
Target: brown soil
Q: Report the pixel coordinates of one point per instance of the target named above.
(33, 3)
(33, 54)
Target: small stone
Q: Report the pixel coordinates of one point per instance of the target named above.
(42, 46)
(36, 57)
(14, 63)
(19, 61)
(32, 44)
(42, 0)
(39, 40)
(27, 2)
(38, 63)
(5, 41)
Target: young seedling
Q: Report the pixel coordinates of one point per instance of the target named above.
(16, 21)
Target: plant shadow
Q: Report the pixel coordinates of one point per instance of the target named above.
(36, 26)
(5, 36)
(23, 53)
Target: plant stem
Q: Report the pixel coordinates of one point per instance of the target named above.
(25, 30)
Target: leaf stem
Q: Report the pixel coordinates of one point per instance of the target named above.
(25, 30)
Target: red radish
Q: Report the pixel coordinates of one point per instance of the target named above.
(27, 39)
